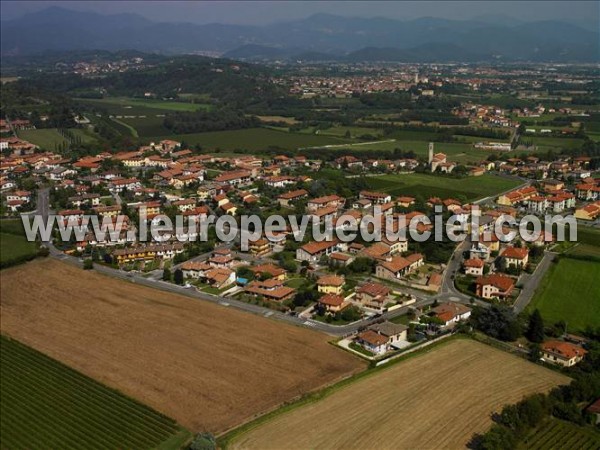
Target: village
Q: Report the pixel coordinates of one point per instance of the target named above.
(330, 282)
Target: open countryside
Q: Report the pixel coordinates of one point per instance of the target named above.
(570, 291)
(434, 186)
(207, 367)
(556, 433)
(50, 403)
(444, 395)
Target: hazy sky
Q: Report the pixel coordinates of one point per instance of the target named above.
(247, 12)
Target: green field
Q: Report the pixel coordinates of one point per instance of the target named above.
(45, 138)
(554, 143)
(136, 106)
(254, 139)
(557, 434)
(439, 186)
(570, 291)
(45, 404)
(50, 138)
(145, 116)
(14, 246)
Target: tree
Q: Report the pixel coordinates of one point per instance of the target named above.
(166, 275)
(497, 321)
(203, 441)
(88, 264)
(535, 352)
(535, 329)
(178, 276)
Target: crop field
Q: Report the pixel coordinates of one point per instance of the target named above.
(207, 366)
(429, 185)
(254, 139)
(570, 291)
(45, 404)
(439, 398)
(556, 434)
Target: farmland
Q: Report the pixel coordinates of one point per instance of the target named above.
(204, 365)
(45, 138)
(411, 404)
(570, 292)
(254, 139)
(559, 434)
(123, 105)
(145, 116)
(430, 185)
(14, 247)
(45, 404)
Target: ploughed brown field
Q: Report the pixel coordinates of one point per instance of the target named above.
(206, 366)
(431, 401)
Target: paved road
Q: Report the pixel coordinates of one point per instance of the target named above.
(447, 292)
(44, 210)
(533, 282)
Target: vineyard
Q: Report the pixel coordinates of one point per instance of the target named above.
(45, 404)
(558, 434)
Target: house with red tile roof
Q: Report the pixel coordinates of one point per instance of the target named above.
(494, 286)
(515, 257)
(474, 266)
(562, 353)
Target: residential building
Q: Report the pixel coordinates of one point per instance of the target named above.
(494, 286)
(474, 266)
(562, 353)
(331, 284)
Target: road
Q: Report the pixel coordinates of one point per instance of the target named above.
(533, 282)
(334, 330)
(447, 292)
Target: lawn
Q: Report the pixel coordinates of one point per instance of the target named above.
(440, 186)
(207, 366)
(570, 292)
(45, 404)
(406, 405)
(554, 434)
(45, 138)
(254, 139)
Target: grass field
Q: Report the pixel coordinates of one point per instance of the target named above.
(254, 139)
(50, 138)
(207, 366)
(45, 138)
(124, 105)
(444, 187)
(45, 404)
(554, 143)
(459, 152)
(558, 434)
(570, 292)
(437, 399)
(14, 246)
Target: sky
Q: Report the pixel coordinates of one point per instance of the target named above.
(262, 12)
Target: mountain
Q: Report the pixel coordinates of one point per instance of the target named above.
(319, 37)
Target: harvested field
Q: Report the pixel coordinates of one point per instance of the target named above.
(435, 400)
(208, 367)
